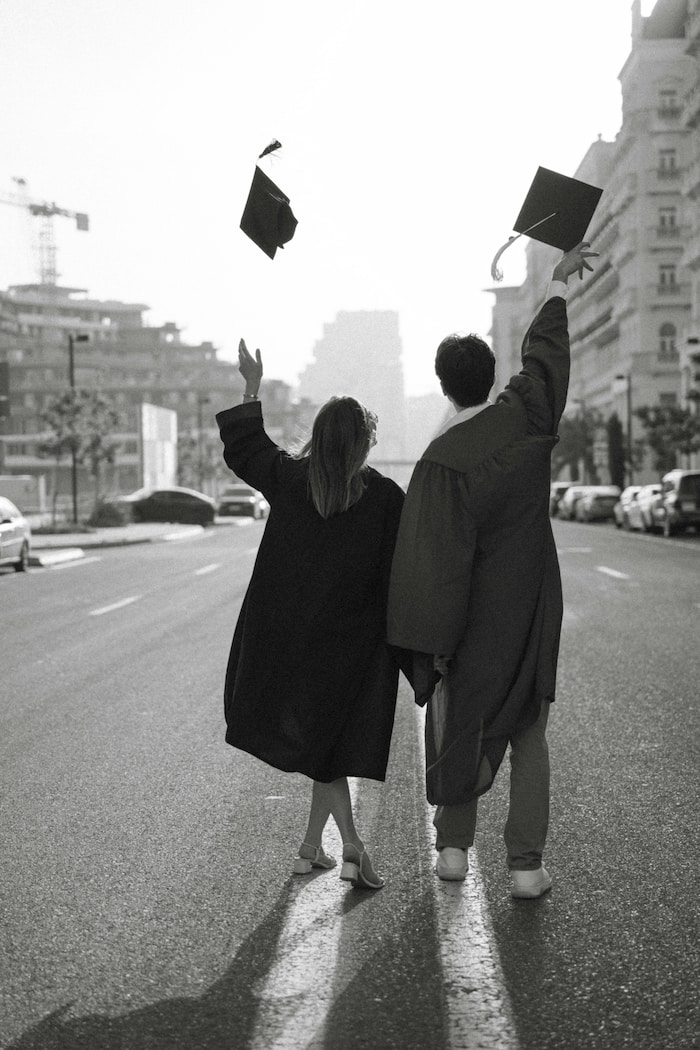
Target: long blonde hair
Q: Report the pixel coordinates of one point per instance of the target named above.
(342, 436)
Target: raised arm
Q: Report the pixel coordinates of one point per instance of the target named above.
(543, 381)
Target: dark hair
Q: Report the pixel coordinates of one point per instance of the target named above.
(466, 367)
(342, 436)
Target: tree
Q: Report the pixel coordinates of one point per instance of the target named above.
(575, 446)
(81, 422)
(616, 451)
(670, 431)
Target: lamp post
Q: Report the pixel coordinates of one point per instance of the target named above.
(72, 339)
(581, 416)
(201, 400)
(627, 380)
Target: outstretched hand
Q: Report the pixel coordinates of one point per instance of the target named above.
(574, 261)
(250, 367)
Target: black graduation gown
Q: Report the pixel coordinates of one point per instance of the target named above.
(311, 683)
(476, 575)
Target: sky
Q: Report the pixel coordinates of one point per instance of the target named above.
(410, 134)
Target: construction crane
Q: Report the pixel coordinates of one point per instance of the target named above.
(46, 242)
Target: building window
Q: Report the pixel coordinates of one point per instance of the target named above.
(668, 103)
(667, 343)
(667, 163)
(667, 222)
(667, 278)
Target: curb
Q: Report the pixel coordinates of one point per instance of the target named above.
(45, 558)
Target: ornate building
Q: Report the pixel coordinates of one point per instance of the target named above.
(629, 319)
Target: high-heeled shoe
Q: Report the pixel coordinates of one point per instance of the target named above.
(358, 870)
(312, 857)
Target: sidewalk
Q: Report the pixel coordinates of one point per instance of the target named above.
(60, 547)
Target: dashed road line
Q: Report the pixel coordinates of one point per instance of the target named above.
(478, 1005)
(207, 568)
(616, 575)
(72, 564)
(116, 605)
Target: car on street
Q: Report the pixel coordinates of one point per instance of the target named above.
(597, 503)
(242, 499)
(15, 536)
(182, 505)
(566, 508)
(680, 501)
(628, 496)
(644, 511)
(556, 491)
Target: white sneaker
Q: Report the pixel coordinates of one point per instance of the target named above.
(530, 883)
(452, 864)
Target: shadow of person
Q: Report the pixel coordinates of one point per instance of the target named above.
(224, 1016)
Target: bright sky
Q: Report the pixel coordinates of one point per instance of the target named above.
(410, 135)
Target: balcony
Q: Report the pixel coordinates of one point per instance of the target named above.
(691, 107)
(626, 303)
(623, 193)
(668, 233)
(625, 248)
(669, 294)
(690, 181)
(692, 31)
(691, 254)
(663, 180)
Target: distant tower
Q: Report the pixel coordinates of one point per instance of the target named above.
(360, 355)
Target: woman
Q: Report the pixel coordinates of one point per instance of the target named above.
(311, 683)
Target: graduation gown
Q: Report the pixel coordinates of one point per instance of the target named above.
(475, 573)
(311, 683)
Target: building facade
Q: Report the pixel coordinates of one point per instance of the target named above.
(359, 355)
(130, 363)
(630, 320)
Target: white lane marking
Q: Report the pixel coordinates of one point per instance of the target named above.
(73, 564)
(207, 568)
(612, 572)
(184, 534)
(115, 606)
(478, 1006)
(300, 988)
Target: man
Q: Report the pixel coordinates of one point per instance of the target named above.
(475, 587)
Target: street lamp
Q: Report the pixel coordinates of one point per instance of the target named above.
(581, 415)
(627, 379)
(72, 339)
(201, 400)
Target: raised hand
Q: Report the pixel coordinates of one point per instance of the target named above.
(574, 261)
(251, 368)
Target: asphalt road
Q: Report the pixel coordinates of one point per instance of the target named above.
(145, 896)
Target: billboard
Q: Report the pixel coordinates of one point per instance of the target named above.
(158, 446)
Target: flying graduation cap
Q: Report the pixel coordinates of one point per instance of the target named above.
(267, 217)
(557, 210)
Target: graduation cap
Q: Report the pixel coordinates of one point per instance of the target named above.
(557, 210)
(267, 217)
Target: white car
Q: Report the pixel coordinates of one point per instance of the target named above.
(643, 514)
(15, 536)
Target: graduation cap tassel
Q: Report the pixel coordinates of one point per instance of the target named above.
(496, 272)
(271, 148)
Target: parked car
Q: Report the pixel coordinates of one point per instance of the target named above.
(644, 514)
(15, 536)
(174, 504)
(628, 496)
(242, 499)
(597, 503)
(680, 501)
(556, 491)
(566, 508)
